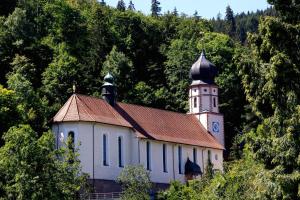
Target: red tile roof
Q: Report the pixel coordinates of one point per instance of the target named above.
(89, 109)
(147, 122)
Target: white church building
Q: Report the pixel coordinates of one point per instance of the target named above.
(170, 145)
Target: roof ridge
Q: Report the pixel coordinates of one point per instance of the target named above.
(77, 107)
(68, 107)
(169, 111)
(85, 109)
(136, 105)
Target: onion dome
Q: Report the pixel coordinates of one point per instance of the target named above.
(109, 78)
(203, 70)
(108, 89)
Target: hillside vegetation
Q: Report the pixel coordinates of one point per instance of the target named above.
(47, 46)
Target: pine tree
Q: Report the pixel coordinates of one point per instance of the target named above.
(175, 12)
(155, 8)
(121, 5)
(103, 3)
(230, 21)
(131, 6)
(196, 15)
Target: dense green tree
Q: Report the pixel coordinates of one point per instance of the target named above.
(32, 108)
(102, 2)
(131, 6)
(133, 179)
(289, 10)
(9, 112)
(175, 12)
(60, 76)
(155, 8)
(275, 100)
(230, 22)
(122, 70)
(32, 168)
(121, 5)
(7, 7)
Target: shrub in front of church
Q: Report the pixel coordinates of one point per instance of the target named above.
(32, 168)
(135, 182)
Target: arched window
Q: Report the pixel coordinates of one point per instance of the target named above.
(148, 149)
(165, 158)
(209, 155)
(105, 163)
(214, 101)
(180, 159)
(195, 102)
(120, 146)
(71, 137)
(195, 155)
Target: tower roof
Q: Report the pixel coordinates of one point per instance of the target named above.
(108, 78)
(203, 70)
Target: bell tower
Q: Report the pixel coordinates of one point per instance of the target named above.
(204, 99)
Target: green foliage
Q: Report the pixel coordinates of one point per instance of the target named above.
(230, 22)
(289, 9)
(135, 182)
(131, 6)
(270, 78)
(155, 8)
(121, 5)
(9, 113)
(31, 167)
(122, 69)
(178, 191)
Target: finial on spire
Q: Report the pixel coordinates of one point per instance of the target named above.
(74, 88)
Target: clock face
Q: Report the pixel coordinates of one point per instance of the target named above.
(215, 127)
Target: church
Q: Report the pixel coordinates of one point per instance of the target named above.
(170, 145)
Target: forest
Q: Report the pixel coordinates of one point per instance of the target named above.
(47, 46)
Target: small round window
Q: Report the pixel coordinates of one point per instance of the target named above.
(205, 90)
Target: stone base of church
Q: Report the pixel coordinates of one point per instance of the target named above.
(109, 186)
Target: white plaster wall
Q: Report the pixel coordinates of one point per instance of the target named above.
(217, 163)
(134, 152)
(203, 119)
(84, 135)
(220, 119)
(159, 176)
(205, 103)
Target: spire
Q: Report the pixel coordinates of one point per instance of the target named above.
(203, 70)
(108, 89)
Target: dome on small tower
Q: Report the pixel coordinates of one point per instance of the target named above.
(109, 78)
(108, 89)
(203, 70)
